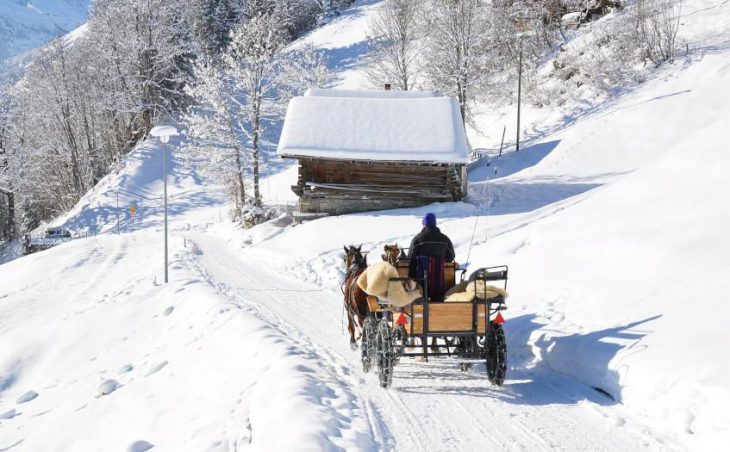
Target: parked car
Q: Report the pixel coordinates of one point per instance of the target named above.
(58, 233)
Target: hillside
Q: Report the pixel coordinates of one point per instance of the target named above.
(28, 24)
(611, 221)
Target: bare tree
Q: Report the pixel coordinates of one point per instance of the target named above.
(456, 48)
(215, 129)
(657, 26)
(396, 41)
(237, 100)
(83, 105)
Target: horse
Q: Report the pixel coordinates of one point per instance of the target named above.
(391, 254)
(355, 299)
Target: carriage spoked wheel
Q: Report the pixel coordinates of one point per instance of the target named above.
(496, 352)
(367, 345)
(384, 355)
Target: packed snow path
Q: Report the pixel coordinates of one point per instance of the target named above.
(600, 222)
(431, 406)
(231, 355)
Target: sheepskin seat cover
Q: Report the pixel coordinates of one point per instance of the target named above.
(466, 291)
(375, 281)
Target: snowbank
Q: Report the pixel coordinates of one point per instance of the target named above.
(92, 342)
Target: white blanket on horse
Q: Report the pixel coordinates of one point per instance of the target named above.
(375, 281)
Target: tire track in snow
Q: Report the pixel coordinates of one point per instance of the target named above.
(431, 406)
(338, 369)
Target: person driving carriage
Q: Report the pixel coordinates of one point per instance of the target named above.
(430, 250)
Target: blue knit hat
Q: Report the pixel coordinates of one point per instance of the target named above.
(429, 220)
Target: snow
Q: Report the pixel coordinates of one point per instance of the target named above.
(27, 397)
(27, 24)
(613, 226)
(107, 387)
(370, 94)
(397, 128)
(85, 319)
(164, 131)
(345, 42)
(140, 446)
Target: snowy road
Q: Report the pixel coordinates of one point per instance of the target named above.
(431, 406)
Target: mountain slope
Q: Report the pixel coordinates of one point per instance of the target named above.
(612, 225)
(27, 24)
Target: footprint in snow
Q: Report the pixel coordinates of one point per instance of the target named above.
(27, 397)
(140, 446)
(156, 369)
(108, 387)
(169, 310)
(8, 414)
(125, 368)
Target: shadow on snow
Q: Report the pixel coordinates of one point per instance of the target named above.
(493, 167)
(536, 385)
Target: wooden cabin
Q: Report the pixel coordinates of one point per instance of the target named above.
(375, 150)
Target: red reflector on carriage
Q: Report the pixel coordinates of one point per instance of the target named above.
(402, 320)
(499, 319)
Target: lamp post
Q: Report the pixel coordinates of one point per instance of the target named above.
(164, 133)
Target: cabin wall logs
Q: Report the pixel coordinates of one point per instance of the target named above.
(337, 187)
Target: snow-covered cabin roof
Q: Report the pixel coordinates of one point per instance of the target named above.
(374, 125)
(380, 94)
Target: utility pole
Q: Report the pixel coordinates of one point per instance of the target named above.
(519, 96)
(117, 212)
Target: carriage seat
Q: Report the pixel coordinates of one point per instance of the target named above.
(450, 269)
(468, 291)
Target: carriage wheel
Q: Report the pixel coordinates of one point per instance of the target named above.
(368, 343)
(399, 338)
(384, 356)
(496, 355)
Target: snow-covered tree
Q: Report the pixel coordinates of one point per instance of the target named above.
(255, 61)
(147, 45)
(7, 220)
(212, 22)
(215, 128)
(82, 105)
(396, 40)
(237, 97)
(657, 25)
(458, 31)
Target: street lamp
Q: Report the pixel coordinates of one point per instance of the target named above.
(164, 133)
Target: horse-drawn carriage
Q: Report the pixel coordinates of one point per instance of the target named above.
(466, 327)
